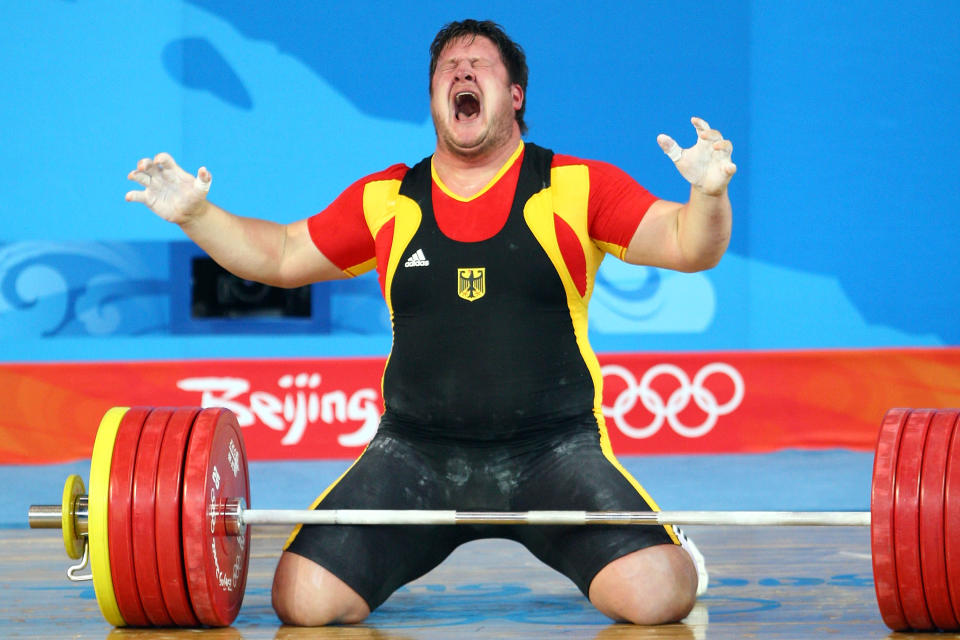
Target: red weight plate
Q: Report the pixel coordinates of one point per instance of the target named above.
(881, 518)
(173, 578)
(144, 517)
(216, 562)
(932, 489)
(951, 519)
(906, 520)
(119, 536)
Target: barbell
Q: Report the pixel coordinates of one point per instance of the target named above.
(164, 527)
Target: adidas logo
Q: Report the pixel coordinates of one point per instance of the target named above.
(417, 260)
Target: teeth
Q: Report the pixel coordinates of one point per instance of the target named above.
(465, 94)
(466, 104)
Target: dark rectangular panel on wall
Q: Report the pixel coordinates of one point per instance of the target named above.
(205, 298)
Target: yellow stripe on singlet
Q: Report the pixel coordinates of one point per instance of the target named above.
(382, 202)
(407, 217)
(568, 197)
(361, 268)
(608, 454)
(320, 498)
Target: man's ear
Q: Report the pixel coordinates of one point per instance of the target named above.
(516, 92)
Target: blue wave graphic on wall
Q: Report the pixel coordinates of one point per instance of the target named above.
(49, 290)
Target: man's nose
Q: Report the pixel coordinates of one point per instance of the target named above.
(464, 72)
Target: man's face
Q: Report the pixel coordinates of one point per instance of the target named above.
(472, 101)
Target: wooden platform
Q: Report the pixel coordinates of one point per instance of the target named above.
(769, 582)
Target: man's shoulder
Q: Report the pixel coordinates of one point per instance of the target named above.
(393, 172)
(566, 160)
(378, 182)
(600, 176)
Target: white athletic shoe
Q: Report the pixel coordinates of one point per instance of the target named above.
(703, 578)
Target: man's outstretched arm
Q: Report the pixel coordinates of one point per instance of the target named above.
(281, 255)
(691, 236)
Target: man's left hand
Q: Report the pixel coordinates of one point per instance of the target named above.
(706, 165)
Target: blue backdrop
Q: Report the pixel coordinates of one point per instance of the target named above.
(845, 201)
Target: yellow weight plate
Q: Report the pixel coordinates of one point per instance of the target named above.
(97, 502)
(72, 542)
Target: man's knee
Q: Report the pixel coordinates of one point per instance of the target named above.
(655, 585)
(306, 594)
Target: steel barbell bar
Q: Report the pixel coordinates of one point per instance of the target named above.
(235, 516)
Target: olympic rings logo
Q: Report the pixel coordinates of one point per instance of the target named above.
(678, 401)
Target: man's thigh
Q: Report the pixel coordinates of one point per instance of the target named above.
(376, 560)
(579, 475)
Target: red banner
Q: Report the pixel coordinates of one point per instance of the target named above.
(653, 403)
(764, 401)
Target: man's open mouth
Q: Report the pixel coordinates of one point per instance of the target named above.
(466, 106)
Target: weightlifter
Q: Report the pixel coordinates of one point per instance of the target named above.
(486, 253)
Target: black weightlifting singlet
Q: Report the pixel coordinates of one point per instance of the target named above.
(484, 346)
(490, 401)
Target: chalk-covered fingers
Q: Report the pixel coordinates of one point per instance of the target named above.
(707, 134)
(203, 180)
(704, 132)
(670, 147)
(707, 165)
(172, 193)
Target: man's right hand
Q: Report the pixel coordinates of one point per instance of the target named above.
(172, 193)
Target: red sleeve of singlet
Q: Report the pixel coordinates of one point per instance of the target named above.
(617, 202)
(340, 231)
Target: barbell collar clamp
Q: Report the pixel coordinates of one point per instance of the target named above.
(50, 516)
